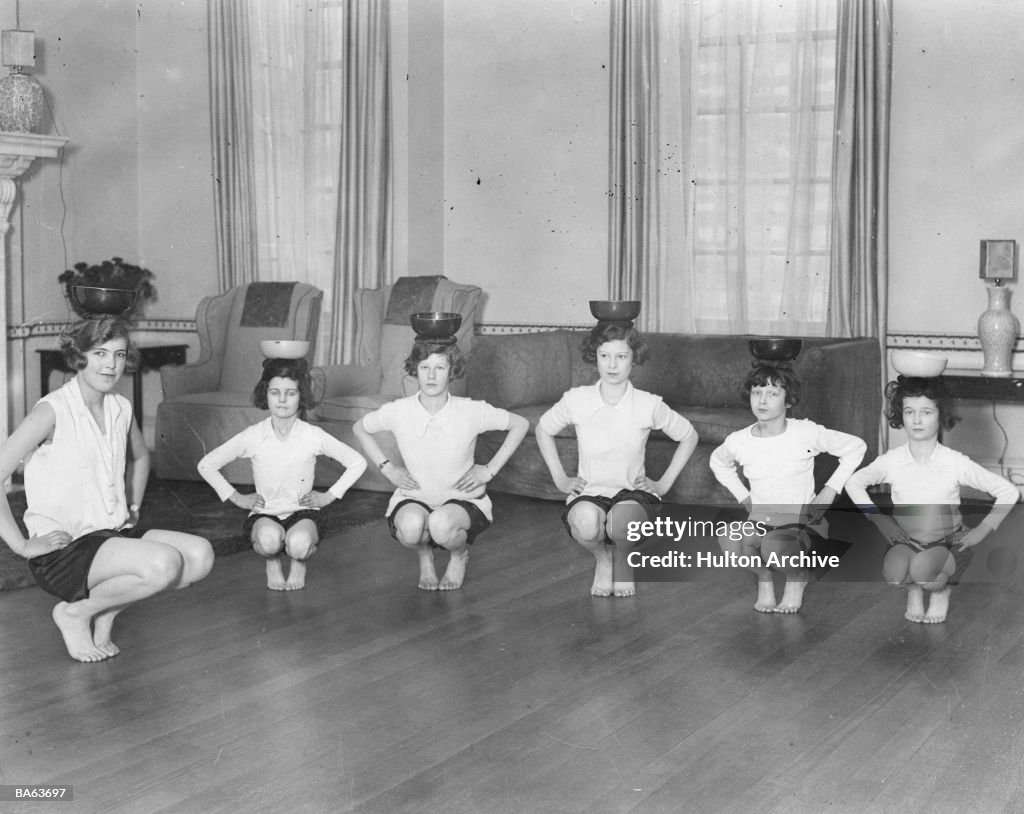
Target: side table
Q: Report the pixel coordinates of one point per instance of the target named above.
(152, 357)
(964, 385)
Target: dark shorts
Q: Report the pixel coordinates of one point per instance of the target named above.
(477, 519)
(961, 558)
(286, 523)
(645, 499)
(65, 573)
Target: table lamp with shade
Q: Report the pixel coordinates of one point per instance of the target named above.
(997, 326)
(21, 95)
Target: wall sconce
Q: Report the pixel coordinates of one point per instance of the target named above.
(21, 95)
(997, 326)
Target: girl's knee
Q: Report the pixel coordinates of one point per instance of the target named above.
(164, 567)
(619, 519)
(300, 545)
(267, 544)
(587, 522)
(410, 530)
(446, 530)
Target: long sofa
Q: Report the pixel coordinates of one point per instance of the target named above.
(700, 376)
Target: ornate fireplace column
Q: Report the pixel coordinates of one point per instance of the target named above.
(17, 152)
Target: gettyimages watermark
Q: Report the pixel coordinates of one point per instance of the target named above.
(686, 542)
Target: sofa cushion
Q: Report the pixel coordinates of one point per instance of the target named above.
(349, 408)
(215, 399)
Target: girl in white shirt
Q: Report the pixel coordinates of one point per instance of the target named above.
(612, 420)
(86, 468)
(285, 511)
(929, 546)
(776, 456)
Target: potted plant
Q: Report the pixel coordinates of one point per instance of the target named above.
(100, 289)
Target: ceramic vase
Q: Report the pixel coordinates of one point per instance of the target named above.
(21, 104)
(997, 330)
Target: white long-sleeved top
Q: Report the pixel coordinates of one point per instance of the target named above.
(929, 492)
(282, 469)
(780, 468)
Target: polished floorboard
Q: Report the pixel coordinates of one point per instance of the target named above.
(518, 693)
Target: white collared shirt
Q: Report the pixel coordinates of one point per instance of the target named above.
(930, 488)
(612, 438)
(282, 468)
(75, 482)
(437, 449)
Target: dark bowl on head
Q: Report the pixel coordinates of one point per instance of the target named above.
(435, 324)
(110, 301)
(615, 309)
(776, 349)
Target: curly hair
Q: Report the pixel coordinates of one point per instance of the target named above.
(421, 349)
(764, 375)
(295, 369)
(78, 338)
(913, 386)
(614, 332)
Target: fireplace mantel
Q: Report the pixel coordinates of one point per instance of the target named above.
(17, 152)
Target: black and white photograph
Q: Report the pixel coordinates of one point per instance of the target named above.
(498, 406)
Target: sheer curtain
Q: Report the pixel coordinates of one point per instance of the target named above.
(319, 124)
(724, 214)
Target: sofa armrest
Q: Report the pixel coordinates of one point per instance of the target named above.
(842, 383)
(196, 377)
(346, 380)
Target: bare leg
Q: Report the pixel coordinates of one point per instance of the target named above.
(123, 572)
(750, 547)
(412, 532)
(587, 522)
(938, 606)
(619, 518)
(268, 542)
(448, 526)
(300, 543)
(915, 604)
(793, 595)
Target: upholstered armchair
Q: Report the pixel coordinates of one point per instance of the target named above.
(384, 338)
(208, 401)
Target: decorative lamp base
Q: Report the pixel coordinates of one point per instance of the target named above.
(21, 104)
(997, 330)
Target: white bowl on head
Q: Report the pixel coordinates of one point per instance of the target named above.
(284, 348)
(918, 363)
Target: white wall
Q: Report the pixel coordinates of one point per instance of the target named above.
(521, 197)
(957, 175)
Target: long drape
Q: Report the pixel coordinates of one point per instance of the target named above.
(234, 208)
(860, 171)
(315, 122)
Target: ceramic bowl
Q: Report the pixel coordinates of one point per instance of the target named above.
(775, 348)
(284, 348)
(918, 363)
(110, 301)
(615, 310)
(435, 324)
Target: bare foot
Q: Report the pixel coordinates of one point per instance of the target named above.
(275, 575)
(915, 604)
(102, 625)
(765, 597)
(603, 570)
(296, 576)
(792, 597)
(428, 576)
(624, 588)
(455, 573)
(77, 634)
(938, 607)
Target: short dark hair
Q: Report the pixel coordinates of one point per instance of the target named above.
(421, 349)
(78, 338)
(295, 369)
(933, 388)
(764, 375)
(614, 332)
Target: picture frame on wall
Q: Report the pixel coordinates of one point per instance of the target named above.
(998, 260)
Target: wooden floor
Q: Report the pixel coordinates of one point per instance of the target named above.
(519, 693)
